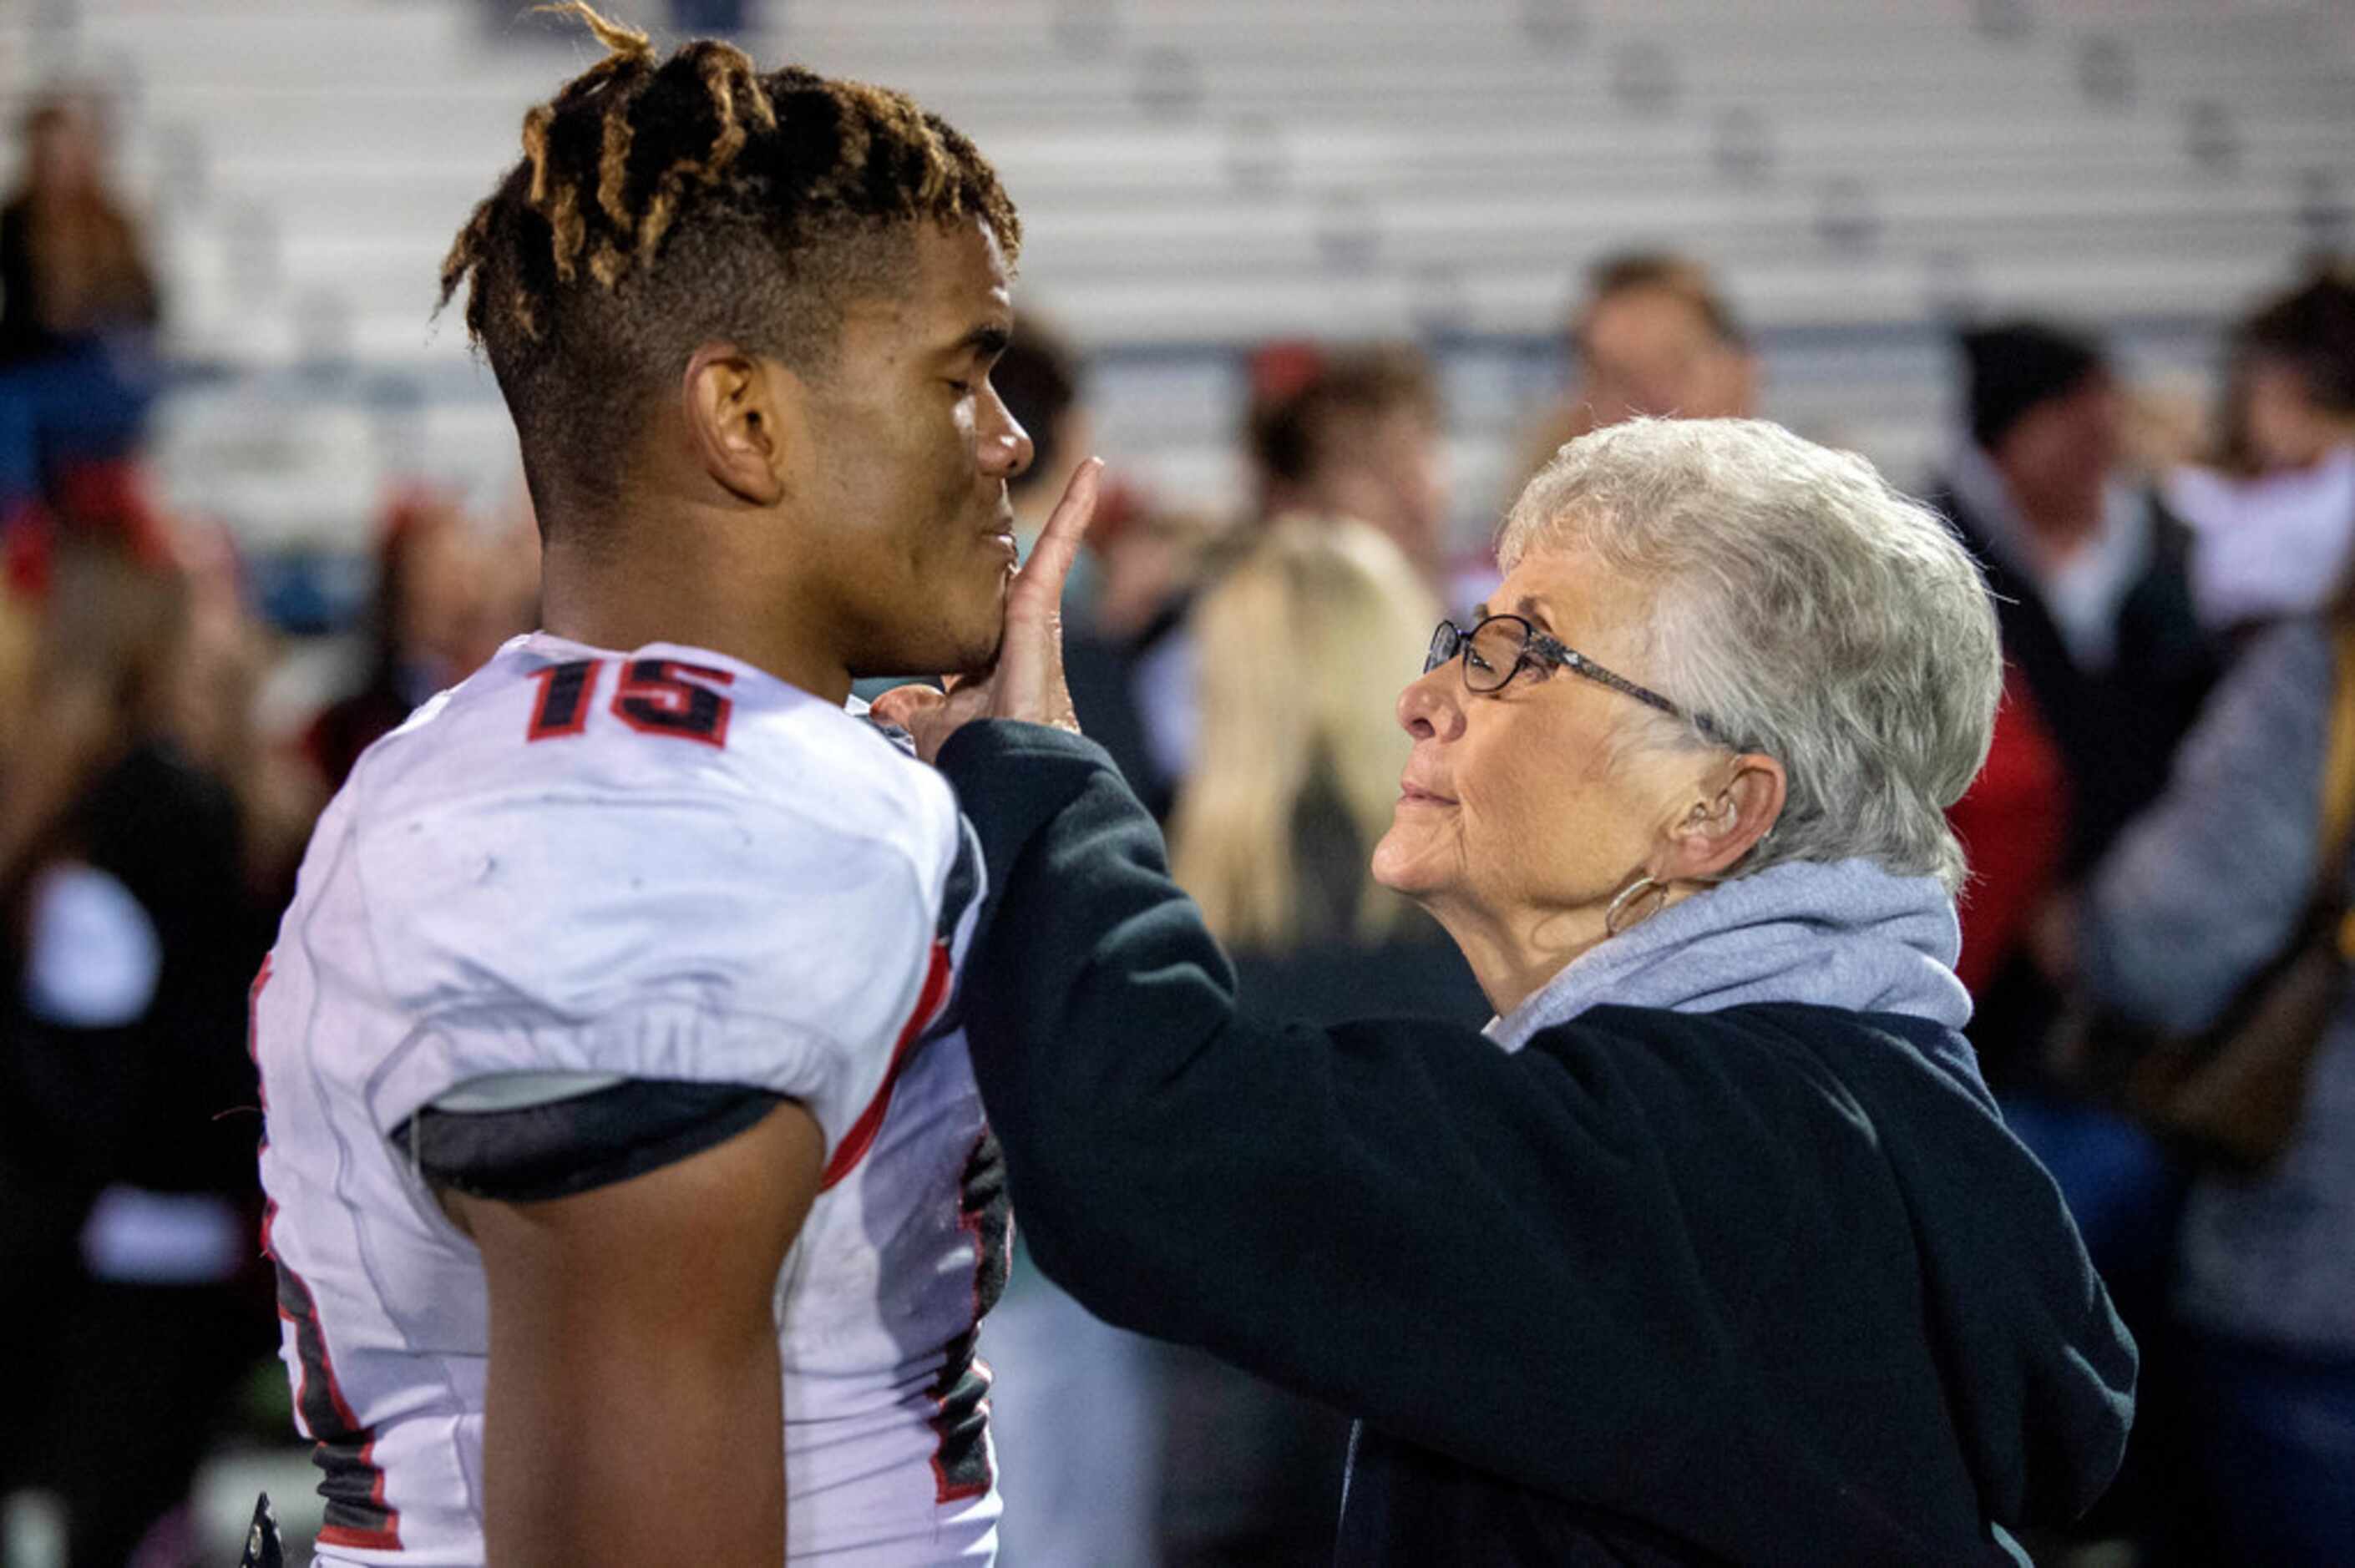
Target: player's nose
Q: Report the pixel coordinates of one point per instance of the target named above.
(1005, 449)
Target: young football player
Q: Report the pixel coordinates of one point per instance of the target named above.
(630, 1195)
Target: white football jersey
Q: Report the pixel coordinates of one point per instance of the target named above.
(581, 867)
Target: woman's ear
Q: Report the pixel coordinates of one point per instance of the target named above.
(735, 426)
(1745, 800)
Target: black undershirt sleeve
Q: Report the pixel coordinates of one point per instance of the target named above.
(575, 1145)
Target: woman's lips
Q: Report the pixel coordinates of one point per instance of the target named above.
(1416, 795)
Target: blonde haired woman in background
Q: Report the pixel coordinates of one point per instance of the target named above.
(1298, 774)
(1305, 642)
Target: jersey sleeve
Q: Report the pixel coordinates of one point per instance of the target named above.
(557, 1148)
(695, 939)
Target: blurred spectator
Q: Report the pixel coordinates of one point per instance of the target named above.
(2107, 664)
(1653, 334)
(126, 1250)
(1299, 768)
(2107, 661)
(77, 305)
(1146, 563)
(2198, 896)
(447, 593)
(1044, 387)
(1353, 433)
(217, 715)
(2276, 517)
(1298, 772)
(1039, 379)
(1656, 336)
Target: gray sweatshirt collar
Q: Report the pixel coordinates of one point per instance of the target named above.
(1846, 934)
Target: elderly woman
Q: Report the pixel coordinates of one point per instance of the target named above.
(1713, 1247)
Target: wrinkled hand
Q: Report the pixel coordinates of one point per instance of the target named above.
(1027, 681)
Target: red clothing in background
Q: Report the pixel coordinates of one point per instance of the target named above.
(2014, 824)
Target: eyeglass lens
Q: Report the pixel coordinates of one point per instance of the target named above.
(1496, 648)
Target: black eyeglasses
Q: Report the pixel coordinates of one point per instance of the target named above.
(1498, 646)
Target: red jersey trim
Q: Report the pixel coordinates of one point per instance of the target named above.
(861, 1136)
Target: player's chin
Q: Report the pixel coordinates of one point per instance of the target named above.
(961, 635)
(975, 621)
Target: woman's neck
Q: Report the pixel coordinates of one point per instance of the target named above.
(1516, 954)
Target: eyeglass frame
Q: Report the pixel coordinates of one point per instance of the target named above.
(1560, 655)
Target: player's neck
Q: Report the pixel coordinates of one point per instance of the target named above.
(627, 599)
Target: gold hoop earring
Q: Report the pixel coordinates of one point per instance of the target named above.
(1643, 885)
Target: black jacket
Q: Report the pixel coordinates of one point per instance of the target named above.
(2116, 729)
(1765, 1284)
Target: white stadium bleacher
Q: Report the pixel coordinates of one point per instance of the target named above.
(1197, 176)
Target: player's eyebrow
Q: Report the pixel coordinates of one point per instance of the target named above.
(1533, 611)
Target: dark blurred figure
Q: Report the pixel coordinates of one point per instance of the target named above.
(1040, 379)
(448, 594)
(1652, 333)
(78, 305)
(2108, 662)
(127, 1182)
(2202, 894)
(2275, 514)
(1300, 757)
(2106, 666)
(1350, 433)
(1043, 379)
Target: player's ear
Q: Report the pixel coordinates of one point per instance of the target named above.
(734, 423)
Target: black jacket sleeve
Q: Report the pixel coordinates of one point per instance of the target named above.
(1480, 1253)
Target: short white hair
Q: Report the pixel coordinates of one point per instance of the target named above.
(1809, 609)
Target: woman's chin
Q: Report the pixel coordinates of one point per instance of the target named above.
(1399, 867)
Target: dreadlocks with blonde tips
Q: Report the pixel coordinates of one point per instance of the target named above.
(662, 204)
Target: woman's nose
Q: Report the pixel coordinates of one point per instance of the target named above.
(1430, 706)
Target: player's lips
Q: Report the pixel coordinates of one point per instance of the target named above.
(1000, 528)
(1413, 794)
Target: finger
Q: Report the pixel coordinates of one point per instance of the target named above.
(1059, 542)
(902, 704)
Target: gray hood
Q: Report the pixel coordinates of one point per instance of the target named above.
(1848, 935)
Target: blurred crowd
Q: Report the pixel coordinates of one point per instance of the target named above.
(2156, 835)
